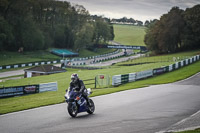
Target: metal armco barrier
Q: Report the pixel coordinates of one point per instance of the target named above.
(131, 77)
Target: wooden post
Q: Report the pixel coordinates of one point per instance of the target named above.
(95, 83)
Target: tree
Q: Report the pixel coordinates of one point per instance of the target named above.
(191, 37)
(112, 33)
(150, 38)
(84, 37)
(139, 23)
(40, 24)
(32, 37)
(165, 35)
(132, 21)
(59, 38)
(171, 31)
(6, 36)
(102, 32)
(146, 23)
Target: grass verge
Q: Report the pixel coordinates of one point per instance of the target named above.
(190, 131)
(129, 35)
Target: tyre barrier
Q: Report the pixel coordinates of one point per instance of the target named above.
(98, 56)
(131, 77)
(29, 64)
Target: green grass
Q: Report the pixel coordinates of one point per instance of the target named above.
(129, 35)
(47, 98)
(190, 131)
(7, 58)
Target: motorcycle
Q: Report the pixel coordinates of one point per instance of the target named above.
(77, 103)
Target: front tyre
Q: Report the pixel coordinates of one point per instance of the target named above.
(91, 108)
(72, 109)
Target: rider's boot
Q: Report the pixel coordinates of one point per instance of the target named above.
(88, 103)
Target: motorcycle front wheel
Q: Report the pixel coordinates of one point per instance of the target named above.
(72, 109)
(91, 108)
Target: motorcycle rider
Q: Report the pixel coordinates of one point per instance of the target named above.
(79, 86)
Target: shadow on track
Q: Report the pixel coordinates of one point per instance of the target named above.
(83, 116)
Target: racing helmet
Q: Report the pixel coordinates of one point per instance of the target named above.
(74, 78)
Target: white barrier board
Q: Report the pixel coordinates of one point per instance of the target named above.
(48, 87)
(144, 74)
(116, 80)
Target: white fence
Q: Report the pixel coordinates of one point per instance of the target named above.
(119, 79)
(116, 80)
(144, 74)
(48, 87)
(131, 77)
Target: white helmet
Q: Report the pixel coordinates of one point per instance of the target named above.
(74, 77)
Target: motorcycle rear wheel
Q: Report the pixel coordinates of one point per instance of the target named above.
(72, 109)
(91, 108)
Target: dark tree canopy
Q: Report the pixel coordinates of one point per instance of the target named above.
(177, 30)
(40, 24)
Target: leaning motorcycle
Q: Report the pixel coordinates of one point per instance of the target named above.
(77, 103)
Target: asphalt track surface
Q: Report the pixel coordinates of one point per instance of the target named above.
(145, 110)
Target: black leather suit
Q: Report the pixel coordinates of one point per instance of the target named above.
(79, 85)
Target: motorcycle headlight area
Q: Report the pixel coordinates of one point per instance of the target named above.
(66, 96)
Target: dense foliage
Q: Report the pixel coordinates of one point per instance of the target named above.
(127, 20)
(40, 24)
(177, 30)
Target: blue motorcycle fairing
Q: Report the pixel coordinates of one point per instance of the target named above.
(82, 103)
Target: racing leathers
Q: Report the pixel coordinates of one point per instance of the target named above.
(79, 86)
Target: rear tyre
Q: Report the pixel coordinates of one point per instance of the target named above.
(91, 108)
(72, 109)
